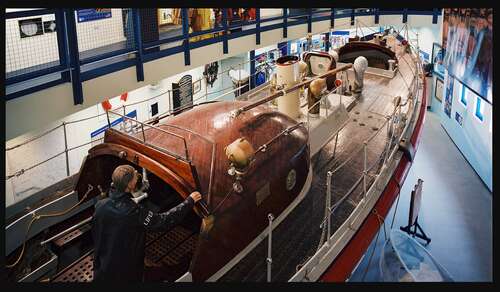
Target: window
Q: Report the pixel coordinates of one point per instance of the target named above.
(463, 98)
(479, 109)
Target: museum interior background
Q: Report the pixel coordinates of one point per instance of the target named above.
(50, 144)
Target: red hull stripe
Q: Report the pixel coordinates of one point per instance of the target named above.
(345, 262)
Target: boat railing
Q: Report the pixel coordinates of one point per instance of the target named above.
(383, 161)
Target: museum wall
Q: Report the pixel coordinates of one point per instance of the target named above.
(469, 128)
(473, 137)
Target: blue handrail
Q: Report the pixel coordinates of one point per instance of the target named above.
(98, 65)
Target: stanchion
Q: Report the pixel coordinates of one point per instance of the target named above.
(328, 202)
(269, 260)
(66, 148)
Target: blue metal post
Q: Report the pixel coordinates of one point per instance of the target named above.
(309, 20)
(225, 48)
(74, 57)
(185, 34)
(435, 14)
(283, 48)
(352, 16)
(62, 43)
(257, 26)
(327, 41)
(252, 69)
(332, 18)
(405, 15)
(285, 22)
(139, 67)
(376, 10)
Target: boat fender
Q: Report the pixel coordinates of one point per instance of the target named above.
(206, 224)
(240, 153)
(407, 148)
(360, 65)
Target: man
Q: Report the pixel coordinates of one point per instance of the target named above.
(120, 225)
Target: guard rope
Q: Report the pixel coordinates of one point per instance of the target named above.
(375, 245)
(38, 217)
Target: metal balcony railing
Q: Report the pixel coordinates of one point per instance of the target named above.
(75, 52)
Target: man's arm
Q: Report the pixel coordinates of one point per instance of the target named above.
(152, 221)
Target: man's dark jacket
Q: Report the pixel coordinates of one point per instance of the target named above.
(119, 231)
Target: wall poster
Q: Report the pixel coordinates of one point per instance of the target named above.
(459, 118)
(49, 26)
(468, 43)
(438, 92)
(448, 95)
(30, 27)
(92, 14)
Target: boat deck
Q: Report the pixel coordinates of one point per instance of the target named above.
(297, 237)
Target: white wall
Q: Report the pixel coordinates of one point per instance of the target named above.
(474, 137)
(270, 12)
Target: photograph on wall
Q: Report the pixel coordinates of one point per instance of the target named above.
(49, 26)
(437, 59)
(30, 27)
(459, 118)
(92, 14)
(468, 43)
(196, 86)
(448, 95)
(438, 92)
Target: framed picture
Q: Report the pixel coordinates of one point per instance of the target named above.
(49, 26)
(438, 90)
(165, 16)
(448, 96)
(30, 27)
(196, 86)
(459, 118)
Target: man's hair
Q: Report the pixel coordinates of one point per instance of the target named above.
(122, 175)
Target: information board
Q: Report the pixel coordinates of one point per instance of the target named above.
(182, 93)
(92, 14)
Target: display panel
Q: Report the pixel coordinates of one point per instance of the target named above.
(468, 42)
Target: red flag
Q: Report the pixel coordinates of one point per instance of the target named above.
(106, 105)
(124, 96)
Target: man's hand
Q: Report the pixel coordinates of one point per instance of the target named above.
(196, 196)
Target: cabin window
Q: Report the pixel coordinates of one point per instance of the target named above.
(479, 109)
(463, 98)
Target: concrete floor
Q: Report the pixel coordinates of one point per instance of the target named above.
(456, 211)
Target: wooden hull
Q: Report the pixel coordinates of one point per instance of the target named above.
(231, 219)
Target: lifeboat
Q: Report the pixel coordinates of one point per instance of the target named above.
(261, 168)
(189, 152)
